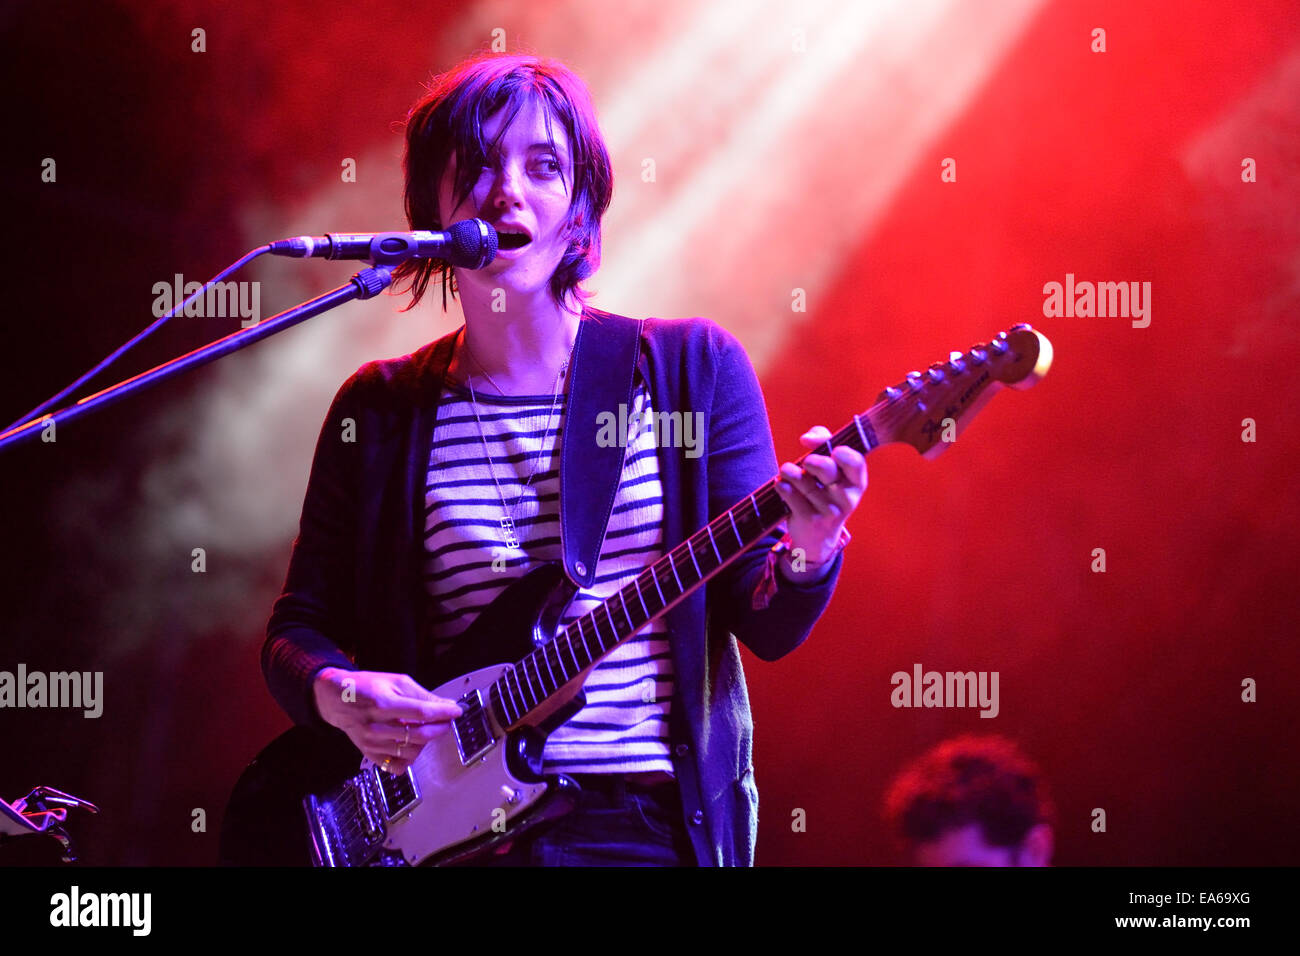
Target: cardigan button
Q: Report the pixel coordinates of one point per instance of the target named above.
(698, 818)
(683, 749)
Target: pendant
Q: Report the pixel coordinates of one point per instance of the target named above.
(508, 527)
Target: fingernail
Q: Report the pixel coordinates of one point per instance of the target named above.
(784, 486)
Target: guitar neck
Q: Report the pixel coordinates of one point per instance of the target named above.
(926, 410)
(653, 592)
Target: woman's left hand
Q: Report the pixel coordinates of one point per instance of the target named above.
(821, 495)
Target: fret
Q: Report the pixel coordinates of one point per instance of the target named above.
(577, 668)
(691, 551)
(754, 502)
(586, 650)
(521, 697)
(655, 578)
(620, 627)
(714, 544)
(506, 699)
(866, 444)
(540, 685)
(525, 684)
(595, 627)
(559, 662)
(612, 626)
(546, 659)
(732, 518)
(630, 625)
(516, 704)
(680, 590)
(508, 696)
(636, 583)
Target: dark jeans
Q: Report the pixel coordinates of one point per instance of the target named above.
(615, 823)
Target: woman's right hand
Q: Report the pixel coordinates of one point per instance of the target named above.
(386, 716)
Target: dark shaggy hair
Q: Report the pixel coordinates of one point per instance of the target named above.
(965, 780)
(449, 119)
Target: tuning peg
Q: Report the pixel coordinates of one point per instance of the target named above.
(979, 353)
(955, 360)
(1000, 343)
(1022, 325)
(936, 373)
(914, 380)
(893, 392)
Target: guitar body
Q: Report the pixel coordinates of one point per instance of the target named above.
(310, 799)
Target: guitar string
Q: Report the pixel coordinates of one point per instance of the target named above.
(889, 412)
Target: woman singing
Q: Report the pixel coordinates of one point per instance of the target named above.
(443, 476)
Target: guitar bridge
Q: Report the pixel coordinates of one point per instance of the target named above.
(348, 825)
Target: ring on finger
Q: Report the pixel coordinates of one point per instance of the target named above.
(407, 739)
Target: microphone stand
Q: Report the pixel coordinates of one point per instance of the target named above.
(366, 284)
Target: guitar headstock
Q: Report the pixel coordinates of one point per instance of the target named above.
(927, 410)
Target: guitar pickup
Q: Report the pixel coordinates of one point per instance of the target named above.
(473, 733)
(398, 791)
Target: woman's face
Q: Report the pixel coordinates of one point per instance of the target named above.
(526, 186)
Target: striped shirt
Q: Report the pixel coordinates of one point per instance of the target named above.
(624, 726)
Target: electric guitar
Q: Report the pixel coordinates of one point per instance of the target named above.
(304, 798)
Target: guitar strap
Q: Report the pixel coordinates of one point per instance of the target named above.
(603, 383)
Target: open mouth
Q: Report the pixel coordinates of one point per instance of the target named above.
(512, 240)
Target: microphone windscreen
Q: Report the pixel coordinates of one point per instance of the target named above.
(473, 244)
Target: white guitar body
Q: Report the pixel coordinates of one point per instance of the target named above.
(459, 792)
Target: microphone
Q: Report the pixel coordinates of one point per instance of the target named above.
(470, 244)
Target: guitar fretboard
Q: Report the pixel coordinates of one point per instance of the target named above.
(659, 587)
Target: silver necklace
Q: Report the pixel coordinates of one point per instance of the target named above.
(508, 519)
